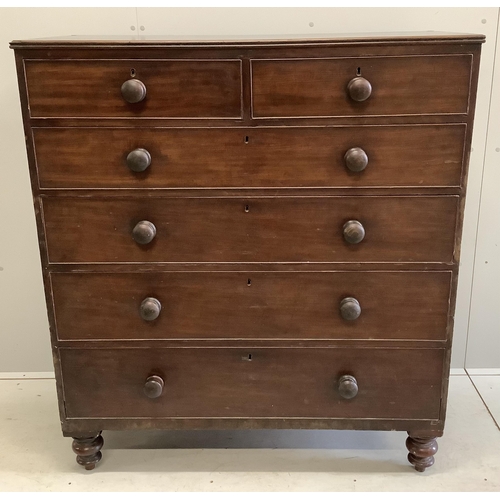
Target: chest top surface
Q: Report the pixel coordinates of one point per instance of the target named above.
(285, 39)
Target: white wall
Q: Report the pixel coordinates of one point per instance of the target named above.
(24, 334)
(483, 349)
(24, 331)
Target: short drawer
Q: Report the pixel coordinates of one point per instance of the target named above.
(408, 85)
(252, 305)
(281, 229)
(368, 156)
(261, 382)
(171, 88)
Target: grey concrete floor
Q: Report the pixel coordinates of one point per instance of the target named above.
(35, 456)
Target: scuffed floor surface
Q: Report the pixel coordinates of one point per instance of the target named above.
(35, 456)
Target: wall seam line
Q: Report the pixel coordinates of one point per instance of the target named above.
(474, 259)
(482, 399)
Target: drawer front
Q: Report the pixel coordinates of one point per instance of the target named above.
(410, 85)
(422, 155)
(224, 382)
(282, 229)
(251, 305)
(174, 88)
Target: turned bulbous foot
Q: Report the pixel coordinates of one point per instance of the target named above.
(88, 450)
(422, 450)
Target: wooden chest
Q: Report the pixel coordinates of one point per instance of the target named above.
(250, 233)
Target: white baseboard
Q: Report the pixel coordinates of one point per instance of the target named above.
(458, 371)
(483, 371)
(44, 375)
(25, 375)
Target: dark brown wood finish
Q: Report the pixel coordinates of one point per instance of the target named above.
(72, 426)
(271, 186)
(88, 450)
(401, 86)
(251, 305)
(422, 450)
(250, 157)
(418, 38)
(435, 428)
(176, 89)
(271, 383)
(278, 229)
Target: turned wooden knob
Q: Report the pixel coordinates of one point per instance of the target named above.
(138, 160)
(153, 386)
(359, 89)
(350, 308)
(150, 309)
(356, 159)
(144, 232)
(133, 91)
(354, 232)
(348, 386)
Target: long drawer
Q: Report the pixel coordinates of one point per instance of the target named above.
(419, 155)
(251, 305)
(410, 85)
(173, 88)
(280, 229)
(261, 382)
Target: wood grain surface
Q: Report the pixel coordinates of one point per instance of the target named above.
(417, 156)
(249, 192)
(191, 89)
(281, 229)
(401, 86)
(252, 305)
(271, 383)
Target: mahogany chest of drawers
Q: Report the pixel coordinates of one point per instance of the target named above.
(250, 233)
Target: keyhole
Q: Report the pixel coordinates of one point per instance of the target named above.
(247, 208)
(247, 139)
(132, 72)
(358, 72)
(249, 357)
(249, 282)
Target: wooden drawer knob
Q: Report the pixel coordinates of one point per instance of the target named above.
(144, 232)
(356, 159)
(359, 89)
(354, 232)
(350, 309)
(348, 386)
(138, 160)
(153, 387)
(150, 309)
(133, 91)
